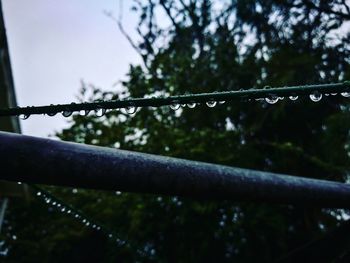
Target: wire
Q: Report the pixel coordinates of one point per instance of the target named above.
(63, 207)
(271, 95)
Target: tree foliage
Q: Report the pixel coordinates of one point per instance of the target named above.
(208, 46)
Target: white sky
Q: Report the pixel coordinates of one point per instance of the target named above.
(55, 44)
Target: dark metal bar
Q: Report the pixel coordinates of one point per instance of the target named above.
(183, 99)
(44, 161)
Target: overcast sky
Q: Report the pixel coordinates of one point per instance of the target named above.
(56, 44)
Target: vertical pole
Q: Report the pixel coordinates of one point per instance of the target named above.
(2, 211)
(7, 90)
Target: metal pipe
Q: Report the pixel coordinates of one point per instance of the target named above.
(44, 161)
(182, 99)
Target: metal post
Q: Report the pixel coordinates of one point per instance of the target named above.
(2, 211)
(7, 90)
(44, 161)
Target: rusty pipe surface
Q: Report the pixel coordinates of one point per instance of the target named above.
(44, 161)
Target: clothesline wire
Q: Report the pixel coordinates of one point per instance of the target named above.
(270, 94)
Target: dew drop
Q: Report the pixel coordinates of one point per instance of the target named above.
(175, 106)
(334, 94)
(84, 112)
(315, 97)
(24, 116)
(271, 99)
(51, 114)
(221, 102)
(67, 113)
(345, 94)
(191, 105)
(130, 109)
(183, 105)
(281, 98)
(293, 97)
(38, 193)
(211, 103)
(100, 112)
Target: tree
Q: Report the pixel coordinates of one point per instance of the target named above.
(217, 46)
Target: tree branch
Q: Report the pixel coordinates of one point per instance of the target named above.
(326, 10)
(126, 35)
(167, 11)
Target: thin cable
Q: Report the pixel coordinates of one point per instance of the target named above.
(271, 95)
(84, 219)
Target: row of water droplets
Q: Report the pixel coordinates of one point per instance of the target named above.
(175, 105)
(78, 216)
(211, 104)
(98, 112)
(315, 96)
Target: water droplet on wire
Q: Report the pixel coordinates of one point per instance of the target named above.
(315, 97)
(211, 103)
(52, 113)
(67, 113)
(345, 94)
(84, 112)
(221, 102)
(24, 116)
(293, 97)
(175, 106)
(271, 99)
(130, 109)
(191, 105)
(100, 112)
